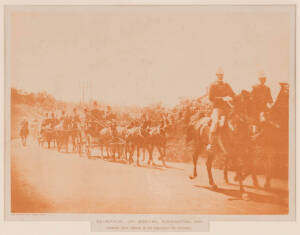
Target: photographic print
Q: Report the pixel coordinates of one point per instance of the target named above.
(175, 110)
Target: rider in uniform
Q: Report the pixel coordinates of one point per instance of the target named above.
(146, 124)
(261, 97)
(220, 95)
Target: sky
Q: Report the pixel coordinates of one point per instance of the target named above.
(139, 55)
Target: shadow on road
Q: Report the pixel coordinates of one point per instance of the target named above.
(236, 195)
(281, 192)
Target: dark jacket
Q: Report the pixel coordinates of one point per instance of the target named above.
(261, 95)
(218, 90)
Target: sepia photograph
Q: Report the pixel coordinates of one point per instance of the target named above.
(175, 110)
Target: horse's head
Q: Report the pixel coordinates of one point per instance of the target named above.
(265, 120)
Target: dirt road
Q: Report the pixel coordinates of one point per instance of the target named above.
(44, 180)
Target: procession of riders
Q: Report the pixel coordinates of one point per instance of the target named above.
(236, 122)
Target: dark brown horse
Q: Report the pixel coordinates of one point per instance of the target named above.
(232, 140)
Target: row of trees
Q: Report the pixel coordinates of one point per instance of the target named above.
(42, 98)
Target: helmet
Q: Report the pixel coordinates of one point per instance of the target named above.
(220, 71)
(262, 74)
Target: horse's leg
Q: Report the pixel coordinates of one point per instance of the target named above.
(226, 164)
(161, 154)
(67, 143)
(129, 149)
(143, 150)
(195, 161)
(209, 161)
(138, 148)
(250, 170)
(73, 143)
(164, 150)
(150, 150)
(268, 171)
(114, 150)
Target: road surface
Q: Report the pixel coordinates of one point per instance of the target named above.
(44, 180)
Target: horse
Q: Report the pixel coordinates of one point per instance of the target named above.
(270, 137)
(116, 141)
(63, 132)
(48, 132)
(231, 140)
(24, 132)
(268, 140)
(135, 141)
(157, 139)
(75, 133)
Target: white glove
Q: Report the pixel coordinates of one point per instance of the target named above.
(227, 98)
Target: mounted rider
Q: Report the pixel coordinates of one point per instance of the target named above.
(221, 96)
(261, 98)
(24, 127)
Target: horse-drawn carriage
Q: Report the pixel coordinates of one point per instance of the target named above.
(47, 135)
(97, 138)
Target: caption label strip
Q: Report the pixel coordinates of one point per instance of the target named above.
(139, 223)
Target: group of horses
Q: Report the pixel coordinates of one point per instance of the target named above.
(241, 140)
(121, 141)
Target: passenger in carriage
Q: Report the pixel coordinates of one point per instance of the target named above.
(146, 122)
(46, 121)
(63, 116)
(163, 121)
(109, 115)
(221, 95)
(53, 121)
(86, 115)
(133, 123)
(65, 120)
(75, 119)
(113, 126)
(96, 113)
